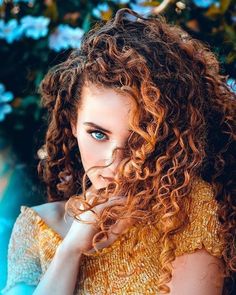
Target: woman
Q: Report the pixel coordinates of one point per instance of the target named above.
(138, 167)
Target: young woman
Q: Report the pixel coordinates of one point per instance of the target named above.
(139, 170)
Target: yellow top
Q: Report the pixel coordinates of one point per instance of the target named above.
(122, 268)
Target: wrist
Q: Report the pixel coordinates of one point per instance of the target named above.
(64, 251)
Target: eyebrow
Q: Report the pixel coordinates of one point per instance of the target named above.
(91, 124)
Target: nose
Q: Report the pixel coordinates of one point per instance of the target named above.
(113, 161)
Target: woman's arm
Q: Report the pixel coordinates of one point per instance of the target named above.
(198, 273)
(61, 275)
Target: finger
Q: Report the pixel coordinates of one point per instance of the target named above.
(116, 200)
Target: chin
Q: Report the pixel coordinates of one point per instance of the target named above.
(100, 182)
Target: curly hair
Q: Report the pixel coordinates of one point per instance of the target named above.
(182, 127)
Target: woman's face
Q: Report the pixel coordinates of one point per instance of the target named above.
(102, 125)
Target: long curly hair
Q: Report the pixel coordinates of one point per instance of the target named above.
(183, 126)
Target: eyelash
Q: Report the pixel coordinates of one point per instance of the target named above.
(97, 131)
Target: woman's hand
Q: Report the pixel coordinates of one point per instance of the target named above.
(79, 237)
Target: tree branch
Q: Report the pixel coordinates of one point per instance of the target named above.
(160, 8)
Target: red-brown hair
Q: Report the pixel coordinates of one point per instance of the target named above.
(182, 124)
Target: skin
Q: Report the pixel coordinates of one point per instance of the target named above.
(110, 110)
(196, 274)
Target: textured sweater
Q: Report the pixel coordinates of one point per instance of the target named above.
(129, 266)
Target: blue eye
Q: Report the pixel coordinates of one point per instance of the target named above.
(97, 135)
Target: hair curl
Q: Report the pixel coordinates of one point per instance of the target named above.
(182, 122)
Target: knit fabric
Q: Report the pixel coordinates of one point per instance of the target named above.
(129, 266)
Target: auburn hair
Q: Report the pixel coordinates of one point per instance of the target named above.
(183, 126)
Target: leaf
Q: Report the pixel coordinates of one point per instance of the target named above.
(38, 78)
(37, 114)
(86, 22)
(17, 102)
(231, 57)
(213, 12)
(151, 3)
(193, 25)
(230, 32)
(224, 5)
(29, 101)
(51, 11)
(106, 15)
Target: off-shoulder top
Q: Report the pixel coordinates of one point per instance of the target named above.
(124, 267)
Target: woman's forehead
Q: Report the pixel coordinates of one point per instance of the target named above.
(104, 100)
(104, 107)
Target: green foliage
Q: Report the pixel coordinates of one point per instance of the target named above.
(26, 59)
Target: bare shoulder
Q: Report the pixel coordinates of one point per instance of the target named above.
(53, 214)
(51, 211)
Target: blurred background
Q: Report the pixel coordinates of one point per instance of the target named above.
(37, 34)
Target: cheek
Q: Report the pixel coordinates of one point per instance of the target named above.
(90, 155)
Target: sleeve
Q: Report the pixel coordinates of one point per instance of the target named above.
(23, 252)
(204, 228)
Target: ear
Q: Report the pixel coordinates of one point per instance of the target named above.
(73, 129)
